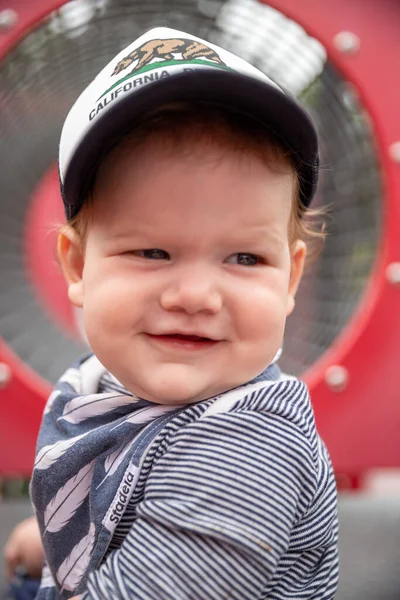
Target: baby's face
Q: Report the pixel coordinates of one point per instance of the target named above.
(187, 276)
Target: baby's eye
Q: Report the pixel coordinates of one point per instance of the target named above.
(245, 259)
(153, 254)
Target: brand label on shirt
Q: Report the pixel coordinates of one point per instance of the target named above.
(122, 497)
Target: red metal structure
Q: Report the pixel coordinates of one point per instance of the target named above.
(354, 383)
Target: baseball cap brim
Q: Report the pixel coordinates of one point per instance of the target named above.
(287, 122)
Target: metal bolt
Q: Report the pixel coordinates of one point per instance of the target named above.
(394, 152)
(5, 375)
(393, 273)
(8, 18)
(347, 42)
(337, 378)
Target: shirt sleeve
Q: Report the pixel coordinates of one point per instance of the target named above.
(217, 515)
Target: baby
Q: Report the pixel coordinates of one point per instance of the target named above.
(176, 461)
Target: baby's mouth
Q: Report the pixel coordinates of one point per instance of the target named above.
(192, 338)
(184, 341)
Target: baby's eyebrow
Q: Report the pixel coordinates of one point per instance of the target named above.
(258, 235)
(125, 234)
(124, 228)
(248, 235)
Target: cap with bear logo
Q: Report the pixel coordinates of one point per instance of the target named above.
(163, 66)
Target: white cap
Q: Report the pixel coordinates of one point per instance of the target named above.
(166, 65)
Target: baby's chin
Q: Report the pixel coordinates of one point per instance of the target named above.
(174, 394)
(168, 389)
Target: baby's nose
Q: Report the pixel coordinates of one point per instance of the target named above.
(193, 292)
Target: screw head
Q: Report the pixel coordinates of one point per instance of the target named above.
(8, 18)
(394, 152)
(5, 375)
(347, 42)
(393, 273)
(336, 378)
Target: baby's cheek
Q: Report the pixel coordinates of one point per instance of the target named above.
(99, 316)
(104, 293)
(103, 316)
(263, 324)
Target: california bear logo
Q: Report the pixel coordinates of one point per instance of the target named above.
(164, 49)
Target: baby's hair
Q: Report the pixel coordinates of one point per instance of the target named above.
(182, 126)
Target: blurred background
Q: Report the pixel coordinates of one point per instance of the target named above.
(341, 58)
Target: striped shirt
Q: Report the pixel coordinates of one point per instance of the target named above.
(237, 504)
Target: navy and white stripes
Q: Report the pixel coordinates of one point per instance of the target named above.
(229, 498)
(238, 505)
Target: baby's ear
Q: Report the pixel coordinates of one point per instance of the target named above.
(72, 258)
(297, 258)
